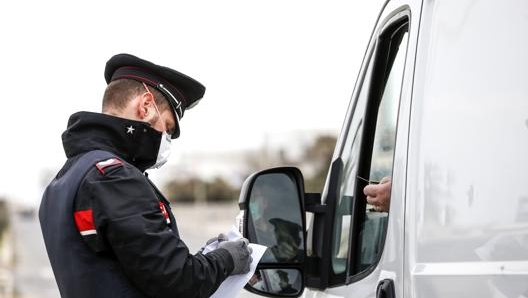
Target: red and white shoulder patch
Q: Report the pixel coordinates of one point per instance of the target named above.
(85, 222)
(102, 165)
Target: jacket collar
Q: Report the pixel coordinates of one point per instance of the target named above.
(134, 141)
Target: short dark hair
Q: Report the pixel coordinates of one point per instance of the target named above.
(119, 92)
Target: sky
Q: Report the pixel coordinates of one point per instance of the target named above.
(269, 67)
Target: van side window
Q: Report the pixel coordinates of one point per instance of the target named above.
(372, 231)
(367, 156)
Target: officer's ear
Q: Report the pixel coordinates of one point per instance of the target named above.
(145, 106)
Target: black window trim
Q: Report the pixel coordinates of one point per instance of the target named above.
(395, 27)
(394, 23)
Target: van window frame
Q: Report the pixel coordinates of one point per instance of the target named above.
(374, 78)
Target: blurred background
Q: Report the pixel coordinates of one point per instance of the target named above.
(279, 75)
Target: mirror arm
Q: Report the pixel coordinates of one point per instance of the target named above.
(312, 203)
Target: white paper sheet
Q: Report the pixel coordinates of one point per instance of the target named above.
(234, 283)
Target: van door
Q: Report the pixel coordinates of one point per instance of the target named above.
(363, 248)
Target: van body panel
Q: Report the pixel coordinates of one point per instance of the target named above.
(467, 198)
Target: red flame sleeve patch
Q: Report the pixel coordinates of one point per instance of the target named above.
(84, 222)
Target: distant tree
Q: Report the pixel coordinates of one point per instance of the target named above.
(313, 162)
(266, 158)
(182, 191)
(320, 152)
(197, 190)
(220, 191)
(318, 157)
(4, 217)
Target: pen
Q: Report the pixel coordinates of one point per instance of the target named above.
(368, 181)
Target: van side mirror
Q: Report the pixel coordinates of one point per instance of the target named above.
(273, 206)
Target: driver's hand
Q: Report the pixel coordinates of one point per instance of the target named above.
(378, 195)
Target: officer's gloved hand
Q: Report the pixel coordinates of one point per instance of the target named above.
(221, 237)
(241, 253)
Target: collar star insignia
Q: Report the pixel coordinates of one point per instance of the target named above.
(130, 129)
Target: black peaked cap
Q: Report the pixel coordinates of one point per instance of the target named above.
(181, 91)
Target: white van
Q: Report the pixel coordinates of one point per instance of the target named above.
(440, 106)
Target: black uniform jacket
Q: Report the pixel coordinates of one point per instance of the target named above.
(121, 215)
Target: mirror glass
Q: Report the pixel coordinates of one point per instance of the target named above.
(277, 281)
(275, 219)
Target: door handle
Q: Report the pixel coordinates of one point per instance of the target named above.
(385, 289)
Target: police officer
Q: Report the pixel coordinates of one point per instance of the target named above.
(108, 230)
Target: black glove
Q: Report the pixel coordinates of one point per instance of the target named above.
(241, 254)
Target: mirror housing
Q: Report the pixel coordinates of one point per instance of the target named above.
(272, 204)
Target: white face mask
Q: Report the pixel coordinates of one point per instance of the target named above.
(164, 151)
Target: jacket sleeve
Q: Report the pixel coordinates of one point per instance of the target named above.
(128, 218)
